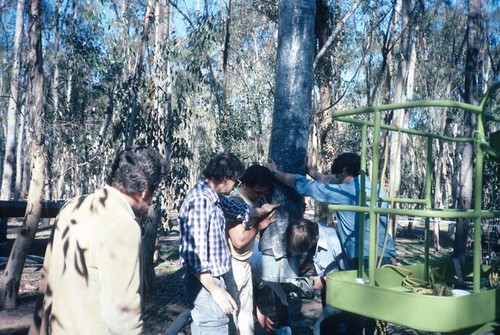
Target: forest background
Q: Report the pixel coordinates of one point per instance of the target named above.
(193, 78)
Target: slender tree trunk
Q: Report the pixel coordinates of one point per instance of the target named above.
(10, 140)
(161, 133)
(20, 153)
(20, 249)
(403, 92)
(55, 74)
(222, 129)
(69, 82)
(106, 122)
(325, 76)
(292, 113)
(137, 76)
(150, 223)
(162, 81)
(397, 140)
(10, 143)
(475, 28)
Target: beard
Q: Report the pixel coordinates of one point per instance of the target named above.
(141, 208)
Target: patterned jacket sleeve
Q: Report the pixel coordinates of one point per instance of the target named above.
(236, 211)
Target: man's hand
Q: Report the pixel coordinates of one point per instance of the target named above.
(264, 321)
(317, 282)
(266, 221)
(221, 297)
(224, 300)
(271, 165)
(266, 209)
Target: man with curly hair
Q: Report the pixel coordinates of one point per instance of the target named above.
(204, 251)
(93, 279)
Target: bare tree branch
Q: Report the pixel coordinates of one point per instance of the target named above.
(336, 30)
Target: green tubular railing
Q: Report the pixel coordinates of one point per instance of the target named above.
(476, 213)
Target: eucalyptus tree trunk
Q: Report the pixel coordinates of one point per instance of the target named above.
(161, 131)
(69, 80)
(383, 75)
(439, 167)
(403, 92)
(323, 121)
(137, 75)
(291, 118)
(439, 127)
(328, 28)
(10, 141)
(475, 37)
(55, 71)
(52, 148)
(20, 153)
(26, 234)
(397, 139)
(222, 129)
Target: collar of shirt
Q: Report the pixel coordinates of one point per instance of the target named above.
(121, 196)
(209, 191)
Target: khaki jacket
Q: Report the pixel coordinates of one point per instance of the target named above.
(92, 269)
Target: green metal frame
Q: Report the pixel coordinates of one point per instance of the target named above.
(477, 214)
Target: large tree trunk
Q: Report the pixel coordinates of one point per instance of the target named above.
(291, 118)
(10, 141)
(21, 247)
(471, 95)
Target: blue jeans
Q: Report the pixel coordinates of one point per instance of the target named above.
(208, 317)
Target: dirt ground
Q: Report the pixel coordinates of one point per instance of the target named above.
(167, 302)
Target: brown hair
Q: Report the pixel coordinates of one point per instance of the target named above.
(301, 235)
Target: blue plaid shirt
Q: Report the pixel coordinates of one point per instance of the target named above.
(203, 244)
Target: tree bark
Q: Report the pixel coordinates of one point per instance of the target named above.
(474, 38)
(150, 228)
(222, 129)
(292, 113)
(22, 244)
(10, 143)
(323, 122)
(397, 139)
(10, 140)
(137, 75)
(403, 92)
(20, 153)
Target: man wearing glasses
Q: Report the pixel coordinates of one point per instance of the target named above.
(203, 249)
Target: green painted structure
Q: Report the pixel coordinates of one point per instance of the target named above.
(383, 294)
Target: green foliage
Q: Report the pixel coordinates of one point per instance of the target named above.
(180, 112)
